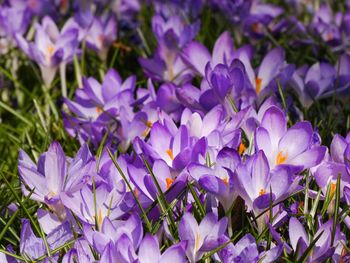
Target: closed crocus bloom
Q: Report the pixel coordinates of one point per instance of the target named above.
(34, 247)
(300, 240)
(280, 144)
(50, 48)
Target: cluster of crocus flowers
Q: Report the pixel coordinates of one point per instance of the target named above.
(201, 158)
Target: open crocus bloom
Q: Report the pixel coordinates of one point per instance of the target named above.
(55, 174)
(174, 146)
(51, 47)
(257, 184)
(282, 146)
(202, 237)
(108, 202)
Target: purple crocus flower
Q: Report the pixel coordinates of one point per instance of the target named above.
(311, 83)
(51, 48)
(257, 184)
(111, 231)
(260, 17)
(13, 20)
(327, 25)
(33, 247)
(101, 35)
(173, 145)
(203, 237)
(246, 251)
(172, 34)
(101, 106)
(217, 180)
(272, 67)
(299, 239)
(108, 203)
(55, 174)
(336, 163)
(149, 251)
(280, 146)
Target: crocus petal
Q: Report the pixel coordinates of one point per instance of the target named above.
(275, 122)
(296, 232)
(197, 55)
(292, 147)
(269, 67)
(337, 148)
(149, 249)
(213, 184)
(174, 254)
(310, 158)
(55, 168)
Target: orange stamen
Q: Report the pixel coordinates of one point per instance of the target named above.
(169, 182)
(170, 154)
(280, 159)
(225, 180)
(258, 82)
(99, 110)
(241, 148)
(333, 188)
(262, 191)
(256, 27)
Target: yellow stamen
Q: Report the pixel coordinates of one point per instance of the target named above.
(50, 49)
(169, 182)
(280, 159)
(198, 237)
(241, 148)
(149, 125)
(262, 191)
(99, 217)
(170, 154)
(258, 82)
